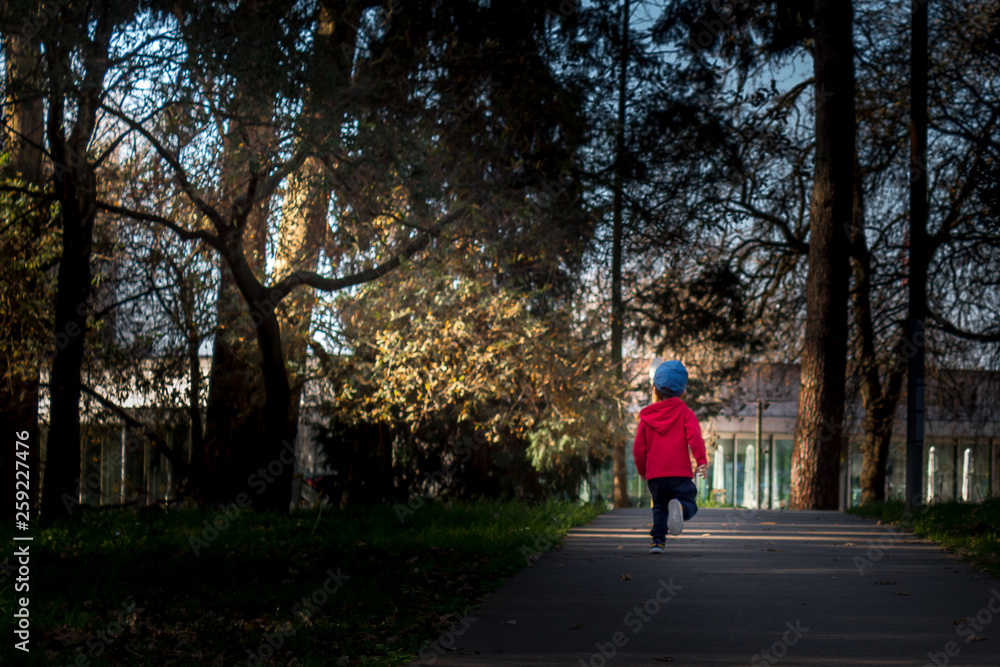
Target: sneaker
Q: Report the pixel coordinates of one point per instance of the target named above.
(656, 547)
(675, 517)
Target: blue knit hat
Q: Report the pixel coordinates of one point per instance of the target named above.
(671, 376)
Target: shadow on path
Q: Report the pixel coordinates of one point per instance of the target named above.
(738, 587)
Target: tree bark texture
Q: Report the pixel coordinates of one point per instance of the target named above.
(919, 256)
(819, 425)
(621, 498)
(75, 188)
(234, 421)
(303, 226)
(879, 399)
(303, 231)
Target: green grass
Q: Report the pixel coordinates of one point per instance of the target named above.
(969, 530)
(380, 589)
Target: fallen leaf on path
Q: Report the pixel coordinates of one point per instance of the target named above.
(513, 622)
(665, 658)
(625, 577)
(974, 638)
(578, 626)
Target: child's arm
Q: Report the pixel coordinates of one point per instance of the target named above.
(640, 449)
(692, 429)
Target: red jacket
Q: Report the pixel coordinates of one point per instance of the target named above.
(667, 430)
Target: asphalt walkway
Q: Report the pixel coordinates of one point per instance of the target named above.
(738, 587)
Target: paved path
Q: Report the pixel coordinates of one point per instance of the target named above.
(736, 588)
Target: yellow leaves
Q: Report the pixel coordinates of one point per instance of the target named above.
(453, 348)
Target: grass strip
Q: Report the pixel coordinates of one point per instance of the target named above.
(970, 530)
(364, 586)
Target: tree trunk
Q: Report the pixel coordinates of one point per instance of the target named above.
(617, 306)
(196, 433)
(236, 391)
(301, 236)
(24, 124)
(877, 425)
(75, 188)
(235, 397)
(919, 257)
(879, 400)
(245, 376)
(24, 127)
(819, 425)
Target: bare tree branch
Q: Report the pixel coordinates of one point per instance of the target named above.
(949, 328)
(180, 174)
(161, 446)
(327, 284)
(185, 234)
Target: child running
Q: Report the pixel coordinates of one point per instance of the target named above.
(667, 431)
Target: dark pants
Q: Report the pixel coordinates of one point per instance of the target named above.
(665, 489)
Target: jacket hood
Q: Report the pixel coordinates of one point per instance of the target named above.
(663, 415)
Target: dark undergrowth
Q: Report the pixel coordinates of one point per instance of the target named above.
(373, 585)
